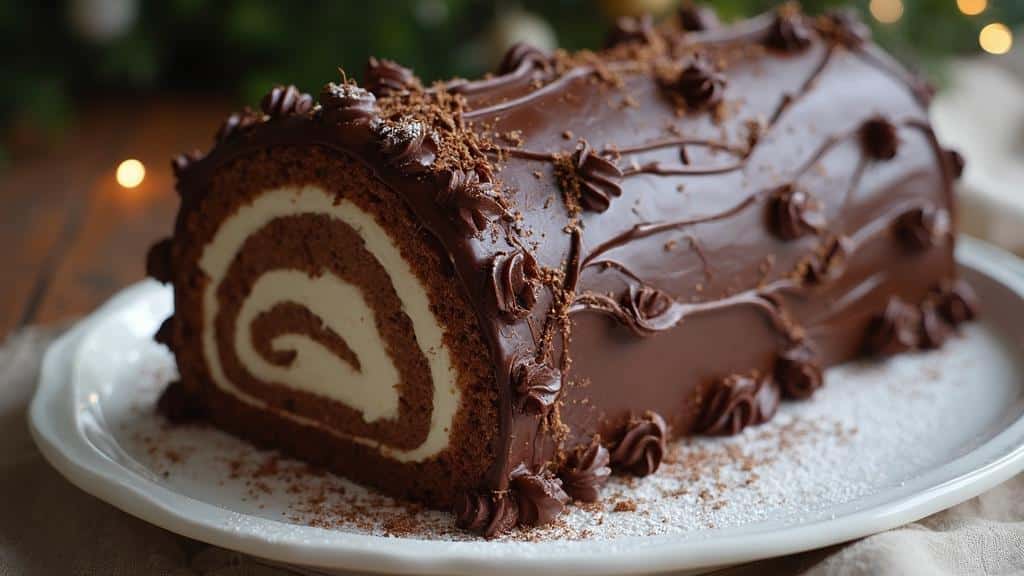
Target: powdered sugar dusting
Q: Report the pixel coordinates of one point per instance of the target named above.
(873, 426)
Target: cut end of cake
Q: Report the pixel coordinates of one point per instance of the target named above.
(322, 313)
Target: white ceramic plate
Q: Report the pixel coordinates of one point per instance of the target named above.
(954, 419)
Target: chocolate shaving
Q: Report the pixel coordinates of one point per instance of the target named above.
(798, 372)
(286, 101)
(586, 471)
(521, 55)
(735, 402)
(537, 385)
(922, 228)
(699, 84)
(514, 279)
(347, 103)
(540, 495)
(878, 138)
(642, 446)
(789, 31)
(159, 261)
(470, 200)
(486, 514)
(384, 77)
(794, 213)
(895, 330)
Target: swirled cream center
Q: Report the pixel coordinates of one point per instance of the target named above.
(373, 389)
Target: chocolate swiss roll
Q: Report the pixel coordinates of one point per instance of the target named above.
(489, 295)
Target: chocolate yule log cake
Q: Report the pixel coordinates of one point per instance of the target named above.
(489, 295)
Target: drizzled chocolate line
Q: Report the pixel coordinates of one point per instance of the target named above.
(880, 226)
(876, 228)
(670, 142)
(600, 302)
(695, 245)
(826, 147)
(553, 86)
(862, 163)
(947, 176)
(609, 264)
(605, 264)
(494, 83)
(788, 100)
(758, 26)
(675, 311)
(640, 231)
(762, 297)
(657, 168)
(858, 175)
(646, 229)
(528, 62)
(651, 167)
(754, 28)
(833, 141)
(527, 154)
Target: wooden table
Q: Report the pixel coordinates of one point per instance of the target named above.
(71, 235)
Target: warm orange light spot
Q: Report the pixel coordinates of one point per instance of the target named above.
(972, 7)
(886, 11)
(130, 173)
(996, 38)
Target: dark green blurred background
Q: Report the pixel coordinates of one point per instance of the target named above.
(60, 54)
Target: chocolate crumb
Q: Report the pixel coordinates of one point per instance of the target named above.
(624, 506)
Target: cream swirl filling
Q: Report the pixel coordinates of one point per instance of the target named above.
(373, 389)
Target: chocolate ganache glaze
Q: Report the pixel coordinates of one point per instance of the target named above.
(659, 239)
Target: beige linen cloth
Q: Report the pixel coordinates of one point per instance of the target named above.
(48, 526)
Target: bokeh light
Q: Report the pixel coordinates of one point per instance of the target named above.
(130, 173)
(886, 11)
(972, 7)
(996, 38)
